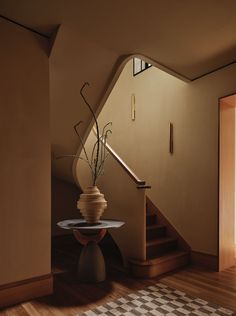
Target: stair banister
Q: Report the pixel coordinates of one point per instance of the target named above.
(141, 184)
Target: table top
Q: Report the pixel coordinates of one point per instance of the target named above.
(81, 224)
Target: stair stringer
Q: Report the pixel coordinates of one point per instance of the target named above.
(166, 251)
(171, 231)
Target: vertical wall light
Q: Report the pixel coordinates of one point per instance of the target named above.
(133, 107)
(171, 139)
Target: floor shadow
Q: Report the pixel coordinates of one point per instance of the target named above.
(68, 290)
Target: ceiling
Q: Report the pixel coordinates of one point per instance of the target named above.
(190, 37)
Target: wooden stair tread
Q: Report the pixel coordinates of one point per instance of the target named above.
(164, 247)
(160, 241)
(169, 256)
(155, 226)
(150, 214)
(154, 261)
(157, 266)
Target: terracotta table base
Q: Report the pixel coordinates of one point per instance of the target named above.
(91, 264)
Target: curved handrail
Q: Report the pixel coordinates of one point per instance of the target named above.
(141, 183)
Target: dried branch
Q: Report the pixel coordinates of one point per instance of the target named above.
(97, 128)
(76, 126)
(101, 169)
(99, 153)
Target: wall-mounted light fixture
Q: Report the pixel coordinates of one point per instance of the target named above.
(133, 107)
(171, 139)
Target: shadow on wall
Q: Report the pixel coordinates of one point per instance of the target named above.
(64, 201)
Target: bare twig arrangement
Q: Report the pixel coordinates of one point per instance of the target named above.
(99, 152)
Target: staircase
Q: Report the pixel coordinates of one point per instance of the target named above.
(147, 237)
(165, 251)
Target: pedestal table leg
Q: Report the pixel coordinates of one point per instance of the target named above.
(91, 265)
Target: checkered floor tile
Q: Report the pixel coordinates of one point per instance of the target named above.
(158, 300)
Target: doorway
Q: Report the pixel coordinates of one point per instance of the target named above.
(227, 179)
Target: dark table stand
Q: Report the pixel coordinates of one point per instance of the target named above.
(91, 264)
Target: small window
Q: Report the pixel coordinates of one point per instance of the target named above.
(139, 66)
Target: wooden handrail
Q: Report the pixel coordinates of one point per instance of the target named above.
(124, 165)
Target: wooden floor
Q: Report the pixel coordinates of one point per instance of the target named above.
(71, 297)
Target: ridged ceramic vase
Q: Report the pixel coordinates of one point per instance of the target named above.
(92, 204)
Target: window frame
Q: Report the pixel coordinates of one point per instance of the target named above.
(144, 66)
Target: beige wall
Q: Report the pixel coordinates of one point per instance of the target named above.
(25, 155)
(75, 59)
(185, 184)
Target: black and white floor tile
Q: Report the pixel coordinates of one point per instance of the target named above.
(158, 300)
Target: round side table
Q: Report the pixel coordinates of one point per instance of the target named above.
(91, 264)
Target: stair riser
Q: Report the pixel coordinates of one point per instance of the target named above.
(155, 233)
(158, 250)
(159, 269)
(151, 219)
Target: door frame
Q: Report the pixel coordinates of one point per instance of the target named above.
(226, 254)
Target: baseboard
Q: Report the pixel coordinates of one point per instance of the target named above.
(156, 267)
(17, 292)
(204, 260)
